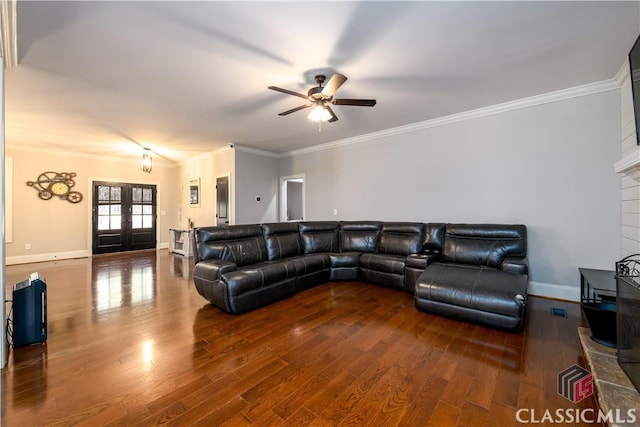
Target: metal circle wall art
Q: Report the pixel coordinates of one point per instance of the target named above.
(51, 184)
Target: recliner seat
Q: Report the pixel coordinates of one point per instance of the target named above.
(233, 270)
(397, 241)
(283, 243)
(355, 238)
(482, 276)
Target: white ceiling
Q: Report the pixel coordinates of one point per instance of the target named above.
(189, 77)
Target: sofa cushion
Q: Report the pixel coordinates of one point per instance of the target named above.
(385, 263)
(256, 276)
(344, 259)
(281, 240)
(310, 263)
(483, 244)
(240, 244)
(251, 288)
(319, 236)
(401, 238)
(361, 236)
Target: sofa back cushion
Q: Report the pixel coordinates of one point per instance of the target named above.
(360, 236)
(281, 239)
(401, 238)
(483, 244)
(433, 236)
(319, 236)
(241, 244)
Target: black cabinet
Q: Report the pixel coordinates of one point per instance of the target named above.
(598, 300)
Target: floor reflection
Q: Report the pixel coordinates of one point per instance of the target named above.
(29, 365)
(121, 281)
(181, 266)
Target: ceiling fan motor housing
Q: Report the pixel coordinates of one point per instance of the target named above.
(315, 93)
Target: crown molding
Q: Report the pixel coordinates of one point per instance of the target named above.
(560, 95)
(223, 150)
(185, 163)
(259, 152)
(623, 73)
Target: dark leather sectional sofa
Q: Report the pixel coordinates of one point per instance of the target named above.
(473, 272)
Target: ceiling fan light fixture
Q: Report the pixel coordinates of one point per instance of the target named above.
(319, 98)
(319, 113)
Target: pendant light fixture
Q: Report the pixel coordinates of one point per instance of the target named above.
(147, 160)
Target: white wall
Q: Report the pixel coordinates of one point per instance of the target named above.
(206, 168)
(548, 166)
(257, 176)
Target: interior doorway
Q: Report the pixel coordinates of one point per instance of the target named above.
(123, 217)
(292, 198)
(222, 200)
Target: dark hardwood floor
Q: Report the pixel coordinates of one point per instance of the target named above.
(131, 343)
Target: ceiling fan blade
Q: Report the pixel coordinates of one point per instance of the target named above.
(333, 84)
(293, 110)
(288, 92)
(357, 102)
(333, 118)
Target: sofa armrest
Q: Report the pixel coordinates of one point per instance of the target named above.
(517, 265)
(213, 269)
(421, 261)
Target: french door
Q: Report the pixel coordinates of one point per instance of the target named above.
(124, 217)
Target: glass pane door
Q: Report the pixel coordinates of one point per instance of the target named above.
(124, 217)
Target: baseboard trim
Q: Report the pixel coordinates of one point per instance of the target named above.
(54, 256)
(27, 259)
(551, 290)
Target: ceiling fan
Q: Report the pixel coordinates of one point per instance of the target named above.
(320, 97)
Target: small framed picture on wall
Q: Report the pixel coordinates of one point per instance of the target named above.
(194, 193)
